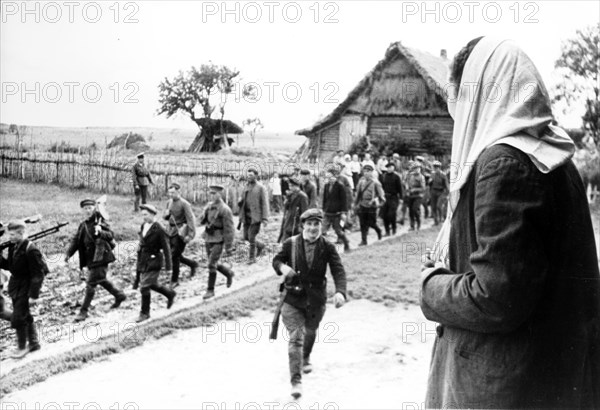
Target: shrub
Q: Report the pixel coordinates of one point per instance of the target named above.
(382, 145)
(431, 141)
(129, 140)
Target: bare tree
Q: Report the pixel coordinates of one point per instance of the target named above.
(252, 125)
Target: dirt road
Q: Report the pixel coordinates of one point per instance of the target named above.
(366, 356)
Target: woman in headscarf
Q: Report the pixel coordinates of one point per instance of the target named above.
(514, 285)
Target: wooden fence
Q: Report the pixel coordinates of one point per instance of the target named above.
(109, 172)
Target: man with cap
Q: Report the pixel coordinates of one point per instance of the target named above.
(154, 251)
(416, 189)
(392, 186)
(218, 236)
(369, 196)
(303, 260)
(141, 178)
(309, 188)
(335, 206)
(27, 267)
(254, 211)
(181, 230)
(296, 203)
(94, 242)
(438, 187)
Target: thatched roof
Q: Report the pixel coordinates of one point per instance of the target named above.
(229, 127)
(382, 85)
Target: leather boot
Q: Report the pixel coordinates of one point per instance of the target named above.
(228, 273)
(85, 306)
(21, 349)
(32, 336)
(119, 296)
(260, 249)
(146, 299)
(168, 293)
(346, 243)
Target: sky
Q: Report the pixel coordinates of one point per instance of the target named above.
(71, 63)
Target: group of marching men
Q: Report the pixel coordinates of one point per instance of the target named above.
(365, 191)
(303, 258)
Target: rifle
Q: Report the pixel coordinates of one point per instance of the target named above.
(283, 290)
(37, 235)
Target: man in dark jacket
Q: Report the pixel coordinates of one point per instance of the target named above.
(303, 309)
(392, 186)
(27, 267)
(335, 206)
(295, 204)
(93, 242)
(309, 188)
(438, 188)
(254, 211)
(154, 251)
(218, 237)
(141, 179)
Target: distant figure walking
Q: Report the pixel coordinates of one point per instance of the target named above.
(141, 179)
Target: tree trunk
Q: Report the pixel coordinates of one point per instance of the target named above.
(204, 141)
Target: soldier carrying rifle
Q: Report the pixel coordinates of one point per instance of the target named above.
(27, 268)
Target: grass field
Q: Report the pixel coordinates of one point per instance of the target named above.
(159, 139)
(61, 204)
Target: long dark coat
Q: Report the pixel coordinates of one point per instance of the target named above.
(519, 307)
(94, 250)
(150, 257)
(312, 277)
(295, 205)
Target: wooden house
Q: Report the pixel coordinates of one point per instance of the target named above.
(402, 95)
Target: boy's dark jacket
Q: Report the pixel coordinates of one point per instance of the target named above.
(150, 257)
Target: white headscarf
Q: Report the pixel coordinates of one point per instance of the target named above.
(502, 100)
